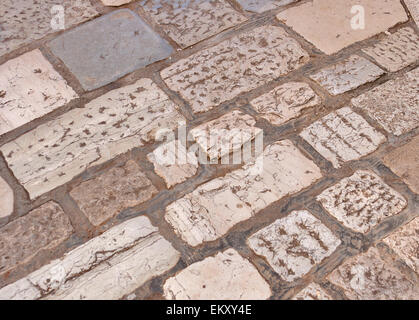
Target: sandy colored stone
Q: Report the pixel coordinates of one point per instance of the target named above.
(225, 276)
(57, 151)
(295, 244)
(7, 199)
(115, 190)
(214, 207)
(362, 201)
(312, 292)
(242, 63)
(342, 136)
(413, 6)
(260, 6)
(394, 104)
(327, 23)
(368, 276)
(29, 89)
(43, 228)
(285, 102)
(115, 3)
(191, 21)
(347, 75)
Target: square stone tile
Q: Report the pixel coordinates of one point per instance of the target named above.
(342, 136)
(29, 89)
(7, 199)
(413, 6)
(362, 201)
(107, 48)
(260, 6)
(312, 292)
(295, 244)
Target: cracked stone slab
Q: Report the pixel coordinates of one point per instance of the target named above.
(7, 199)
(237, 65)
(216, 206)
(295, 244)
(191, 21)
(260, 6)
(225, 276)
(413, 7)
(285, 102)
(313, 292)
(24, 21)
(29, 89)
(328, 23)
(57, 151)
(347, 75)
(107, 48)
(394, 104)
(117, 189)
(361, 201)
(342, 136)
(106, 267)
(371, 277)
(43, 228)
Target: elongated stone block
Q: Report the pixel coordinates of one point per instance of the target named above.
(7, 199)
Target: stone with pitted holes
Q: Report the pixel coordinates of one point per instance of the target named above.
(6, 199)
(237, 65)
(362, 201)
(260, 6)
(57, 151)
(312, 292)
(413, 6)
(225, 276)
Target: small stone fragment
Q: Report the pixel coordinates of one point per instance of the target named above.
(115, 3)
(6, 199)
(312, 292)
(260, 6)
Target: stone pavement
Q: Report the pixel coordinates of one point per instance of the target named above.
(94, 204)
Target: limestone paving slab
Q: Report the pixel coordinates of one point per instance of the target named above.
(312, 292)
(413, 7)
(7, 199)
(112, 124)
(240, 64)
(225, 276)
(260, 6)
(105, 49)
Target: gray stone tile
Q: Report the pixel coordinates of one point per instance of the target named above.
(263, 5)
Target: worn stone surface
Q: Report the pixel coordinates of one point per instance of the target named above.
(369, 277)
(285, 102)
(312, 292)
(44, 228)
(115, 3)
(260, 6)
(29, 89)
(394, 104)
(242, 63)
(295, 244)
(347, 75)
(225, 276)
(117, 189)
(107, 48)
(7, 199)
(214, 207)
(57, 151)
(190, 21)
(413, 7)
(362, 201)
(327, 23)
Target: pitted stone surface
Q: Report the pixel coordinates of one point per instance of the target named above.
(362, 201)
(6, 199)
(57, 151)
(242, 63)
(107, 48)
(328, 23)
(260, 6)
(342, 136)
(226, 276)
(216, 206)
(312, 292)
(44, 228)
(413, 6)
(29, 89)
(117, 189)
(394, 104)
(295, 244)
(285, 102)
(191, 21)
(347, 75)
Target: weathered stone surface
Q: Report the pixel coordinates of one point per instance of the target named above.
(115, 3)
(347, 75)
(245, 62)
(413, 7)
(190, 21)
(23, 21)
(369, 277)
(260, 6)
(43, 228)
(105, 49)
(342, 136)
(29, 89)
(117, 189)
(312, 292)
(226, 276)
(285, 102)
(106, 267)
(7, 199)
(214, 207)
(57, 151)
(328, 23)
(295, 244)
(394, 104)
(362, 201)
